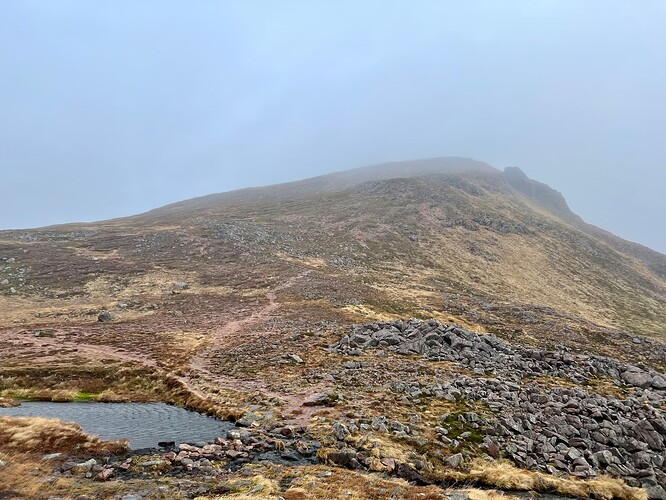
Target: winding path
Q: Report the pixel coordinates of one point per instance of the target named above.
(291, 404)
(199, 367)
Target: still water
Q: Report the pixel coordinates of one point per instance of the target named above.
(144, 424)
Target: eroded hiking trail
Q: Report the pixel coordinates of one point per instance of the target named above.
(201, 363)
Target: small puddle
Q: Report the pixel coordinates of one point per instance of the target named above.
(143, 424)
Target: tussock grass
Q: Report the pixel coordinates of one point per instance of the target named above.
(344, 484)
(504, 475)
(24, 441)
(64, 396)
(43, 435)
(8, 402)
(26, 476)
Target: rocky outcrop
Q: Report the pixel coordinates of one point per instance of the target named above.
(487, 354)
(544, 195)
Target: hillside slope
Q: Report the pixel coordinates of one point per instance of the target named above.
(441, 234)
(286, 308)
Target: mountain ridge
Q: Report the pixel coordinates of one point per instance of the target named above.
(543, 195)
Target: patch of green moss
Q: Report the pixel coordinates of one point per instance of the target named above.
(457, 427)
(85, 397)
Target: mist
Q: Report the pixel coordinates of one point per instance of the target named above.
(114, 108)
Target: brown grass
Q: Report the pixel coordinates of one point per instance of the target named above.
(27, 476)
(42, 435)
(504, 475)
(351, 485)
(23, 442)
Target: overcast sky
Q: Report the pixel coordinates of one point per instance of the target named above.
(110, 108)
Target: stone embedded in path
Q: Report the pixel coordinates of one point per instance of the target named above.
(296, 358)
(104, 317)
(323, 399)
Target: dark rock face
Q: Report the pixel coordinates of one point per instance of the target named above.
(555, 429)
(539, 192)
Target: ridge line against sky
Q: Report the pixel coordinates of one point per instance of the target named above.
(115, 108)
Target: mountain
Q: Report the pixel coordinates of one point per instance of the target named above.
(198, 302)
(451, 235)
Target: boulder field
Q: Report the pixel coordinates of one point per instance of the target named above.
(554, 411)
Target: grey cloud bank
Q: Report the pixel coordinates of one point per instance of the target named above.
(113, 108)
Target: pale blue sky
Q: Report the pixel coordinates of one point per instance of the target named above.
(109, 108)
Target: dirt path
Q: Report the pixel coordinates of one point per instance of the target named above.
(291, 403)
(200, 376)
